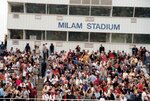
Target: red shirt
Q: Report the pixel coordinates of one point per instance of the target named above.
(97, 81)
(18, 81)
(55, 71)
(65, 98)
(111, 55)
(105, 88)
(119, 91)
(140, 87)
(34, 92)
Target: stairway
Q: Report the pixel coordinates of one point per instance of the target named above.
(40, 87)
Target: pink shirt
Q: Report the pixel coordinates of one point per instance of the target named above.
(18, 82)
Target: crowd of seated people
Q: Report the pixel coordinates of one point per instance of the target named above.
(98, 75)
(19, 73)
(76, 75)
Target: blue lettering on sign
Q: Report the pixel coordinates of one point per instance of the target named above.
(103, 26)
(67, 25)
(117, 27)
(89, 26)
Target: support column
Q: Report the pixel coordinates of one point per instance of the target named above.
(134, 12)
(24, 6)
(89, 34)
(24, 35)
(8, 35)
(68, 10)
(111, 11)
(110, 39)
(67, 36)
(46, 11)
(132, 38)
(45, 35)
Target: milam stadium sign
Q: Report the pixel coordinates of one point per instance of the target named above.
(89, 26)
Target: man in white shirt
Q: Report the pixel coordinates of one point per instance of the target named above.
(45, 96)
(46, 45)
(144, 95)
(30, 68)
(1, 65)
(44, 52)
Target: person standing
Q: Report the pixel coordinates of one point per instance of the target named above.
(1, 92)
(27, 48)
(51, 48)
(2, 46)
(34, 93)
(43, 68)
(101, 49)
(78, 49)
(134, 50)
(44, 52)
(47, 53)
(37, 51)
(5, 42)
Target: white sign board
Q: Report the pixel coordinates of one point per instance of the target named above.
(32, 37)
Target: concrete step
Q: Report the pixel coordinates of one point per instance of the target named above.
(39, 91)
(40, 81)
(40, 87)
(39, 95)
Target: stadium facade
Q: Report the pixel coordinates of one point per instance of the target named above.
(117, 24)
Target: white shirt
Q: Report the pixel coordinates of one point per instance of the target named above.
(77, 81)
(49, 73)
(1, 65)
(46, 79)
(52, 97)
(18, 64)
(37, 51)
(123, 99)
(102, 99)
(22, 85)
(30, 69)
(14, 65)
(45, 97)
(97, 94)
(108, 80)
(145, 72)
(46, 46)
(54, 80)
(6, 76)
(125, 74)
(143, 96)
(27, 84)
(24, 73)
(5, 58)
(44, 49)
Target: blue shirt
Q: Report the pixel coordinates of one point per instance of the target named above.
(132, 96)
(1, 92)
(85, 87)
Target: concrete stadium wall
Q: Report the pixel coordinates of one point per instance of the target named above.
(51, 22)
(72, 45)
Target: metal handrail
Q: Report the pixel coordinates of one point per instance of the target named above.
(40, 99)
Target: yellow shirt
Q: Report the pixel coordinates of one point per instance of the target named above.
(85, 59)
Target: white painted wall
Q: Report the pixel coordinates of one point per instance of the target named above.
(42, 1)
(72, 45)
(132, 3)
(50, 22)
